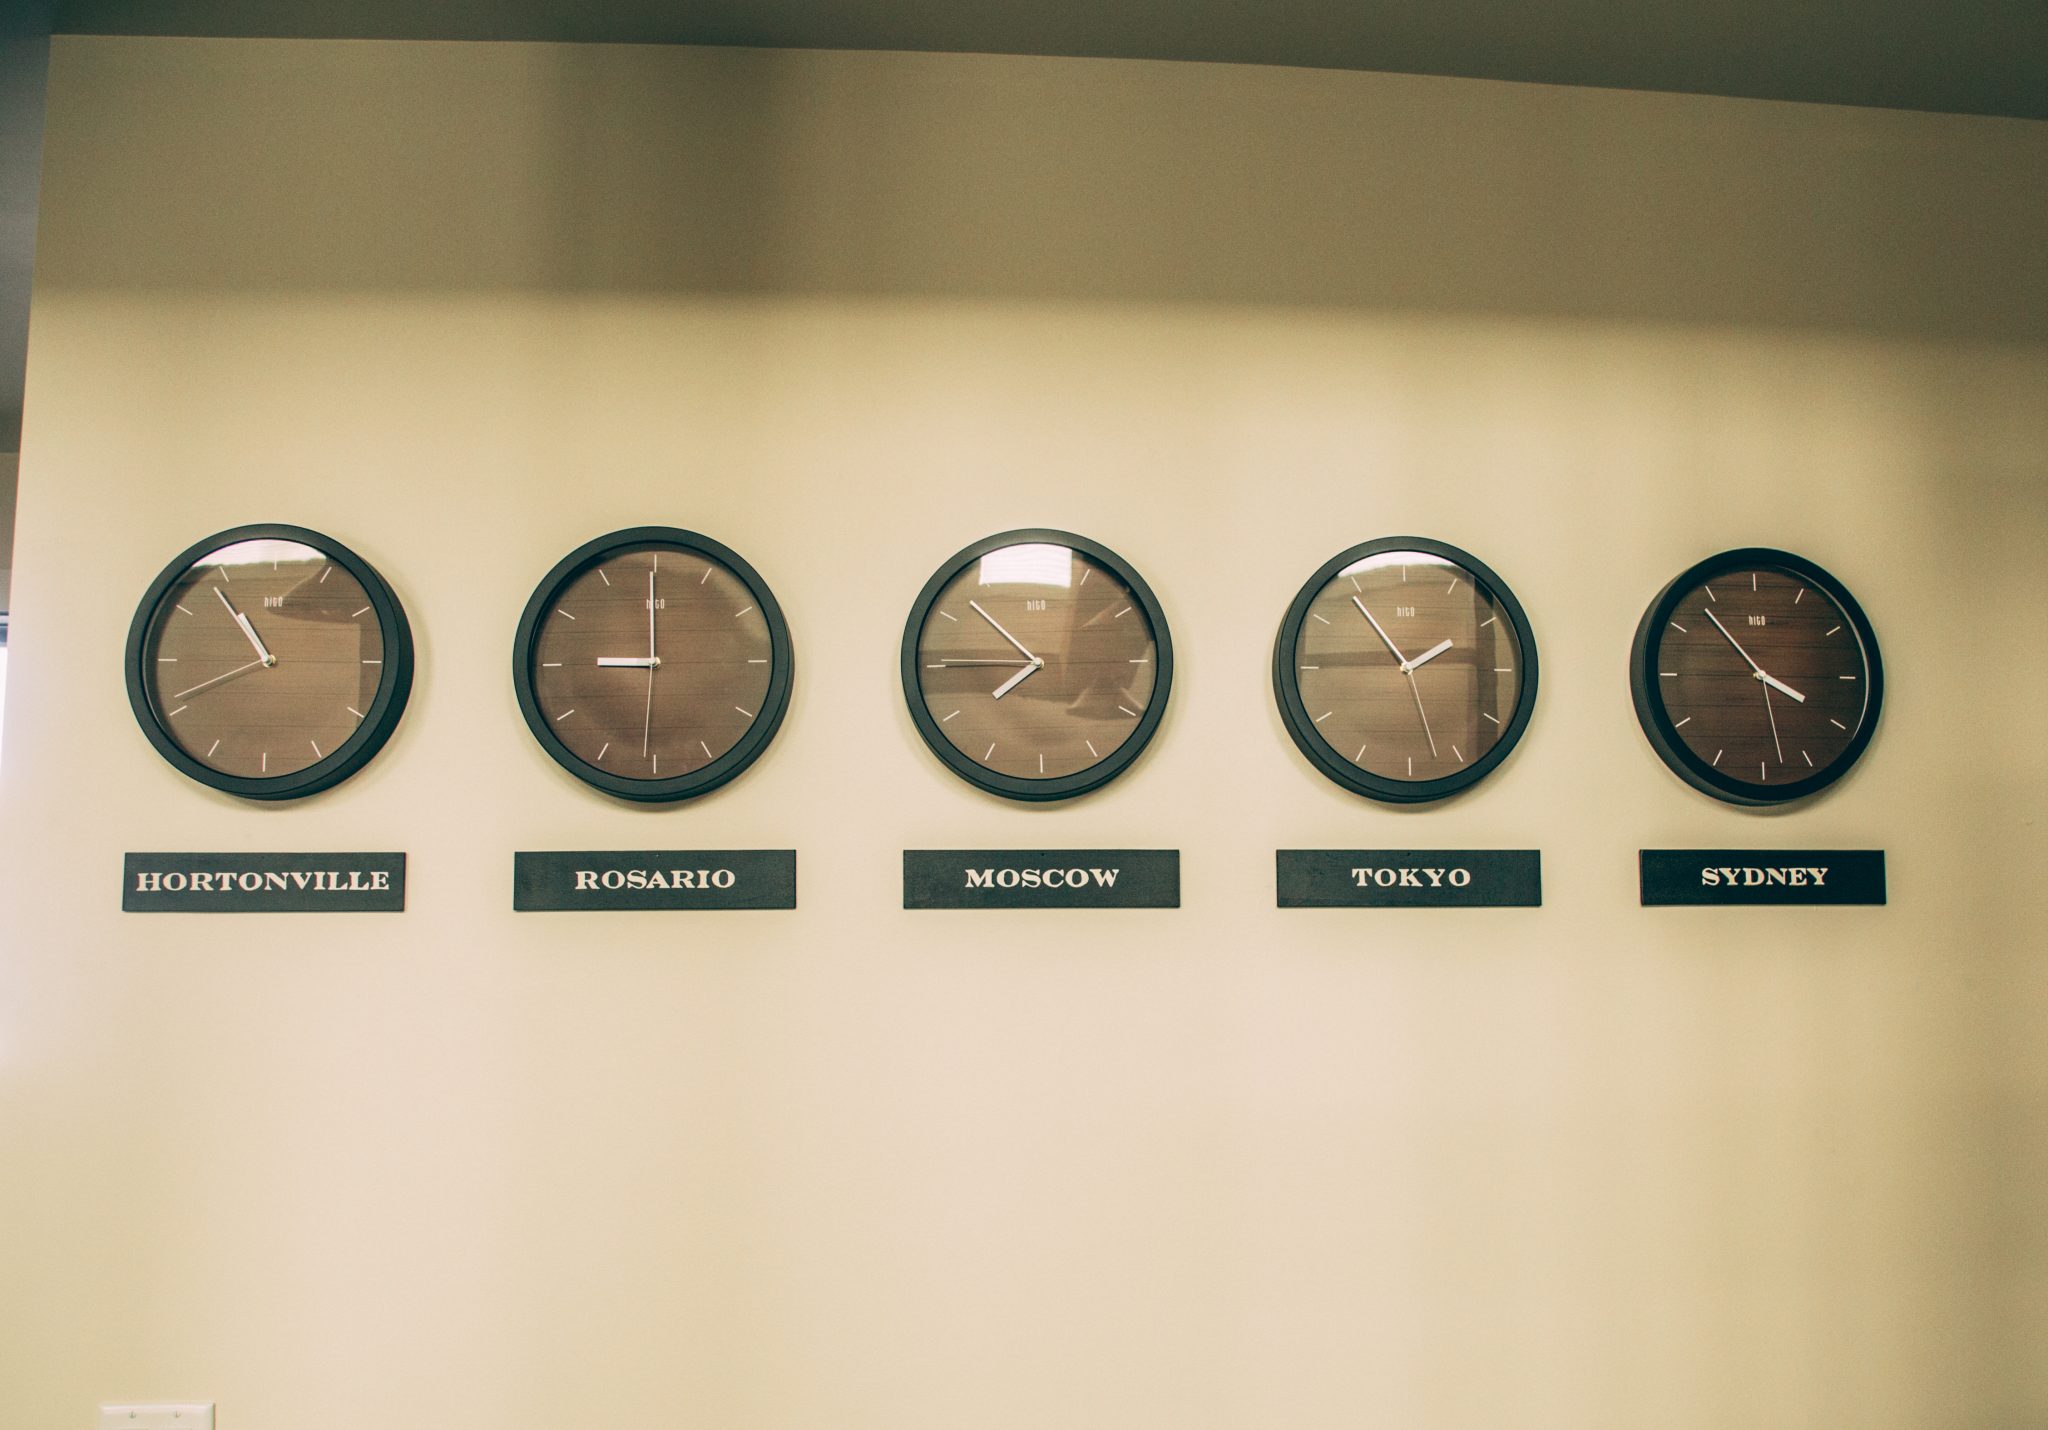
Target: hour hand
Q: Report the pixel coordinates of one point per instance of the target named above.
(1780, 686)
(1427, 656)
(1018, 679)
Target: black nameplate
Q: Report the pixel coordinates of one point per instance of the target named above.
(263, 883)
(1409, 878)
(1763, 876)
(654, 879)
(1041, 878)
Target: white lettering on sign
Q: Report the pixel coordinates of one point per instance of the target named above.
(246, 881)
(1751, 876)
(1376, 877)
(637, 879)
(1042, 878)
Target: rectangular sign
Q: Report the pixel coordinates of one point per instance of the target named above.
(1763, 876)
(674, 879)
(1409, 878)
(263, 883)
(1041, 878)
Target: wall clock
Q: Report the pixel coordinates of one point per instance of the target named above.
(269, 662)
(653, 664)
(1756, 677)
(1405, 670)
(1037, 664)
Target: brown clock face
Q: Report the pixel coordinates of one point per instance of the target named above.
(262, 659)
(1762, 675)
(1036, 667)
(651, 663)
(1407, 666)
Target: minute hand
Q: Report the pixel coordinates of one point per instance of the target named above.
(1761, 674)
(975, 606)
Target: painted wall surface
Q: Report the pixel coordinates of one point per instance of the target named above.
(1588, 1165)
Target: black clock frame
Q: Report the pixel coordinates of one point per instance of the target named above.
(1656, 721)
(728, 766)
(1309, 739)
(1062, 786)
(394, 687)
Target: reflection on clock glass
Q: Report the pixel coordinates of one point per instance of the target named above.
(1407, 666)
(1036, 662)
(263, 658)
(1762, 676)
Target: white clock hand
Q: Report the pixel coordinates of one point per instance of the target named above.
(975, 606)
(263, 656)
(1423, 713)
(1780, 686)
(1761, 674)
(1018, 679)
(1774, 724)
(1382, 633)
(630, 662)
(1427, 656)
(202, 685)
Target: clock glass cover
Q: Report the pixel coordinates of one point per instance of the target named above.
(653, 663)
(269, 662)
(1037, 664)
(1756, 677)
(1405, 669)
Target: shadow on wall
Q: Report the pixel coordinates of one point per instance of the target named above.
(792, 173)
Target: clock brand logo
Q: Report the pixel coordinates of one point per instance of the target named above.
(991, 878)
(655, 878)
(1755, 877)
(1420, 878)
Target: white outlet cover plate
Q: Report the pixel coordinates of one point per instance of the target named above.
(156, 1417)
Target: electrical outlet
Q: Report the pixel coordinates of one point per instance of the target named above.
(156, 1417)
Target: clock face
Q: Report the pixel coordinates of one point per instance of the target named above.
(1405, 670)
(1756, 677)
(653, 664)
(269, 662)
(1037, 664)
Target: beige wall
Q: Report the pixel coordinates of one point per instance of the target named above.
(1583, 1166)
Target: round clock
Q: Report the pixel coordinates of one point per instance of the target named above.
(1405, 670)
(1756, 677)
(653, 664)
(269, 662)
(1037, 664)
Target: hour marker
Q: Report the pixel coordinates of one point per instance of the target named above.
(1845, 677)
(1404, 573)
(551, 665)
(316, 749)
(1487, 622)
(1762, 773)
(1356, 587)
(1752, 580)
(224, 575)
(748, 713)
(1121, 614)
(353, 614)
(937, 665)
(1489, 717)
(1041, 762)
(657, 764)
(1411, 767)
(1710, 594)
(1324, 619)
(1680, 629)
(211, 748)
(705, 748)
(656, 565)
(1128, 711)
(1459, 753)
(944, 718)
(1800, 597)
(325, 572)
(565, 714)
(741, 612)
(758, 660)
(1802, 754)
(1143, 659)
(1683, 723)
(1355, 759)
(602, 577)
(1831, 630)
(705, 577)
(1717, 757)
(989, 751)
(266, 762)
(166, 660)
(564, 614)
(373, 662)
(949, 615)
(179, 711)
(1667, 675)
(1319, 719)
(1452, 587)
(1836, 723)
(183, 607)
(1084, 579)
(1089, 743)
(353, 711)
(1311, 667)
(602, 748)
(1503, 670)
